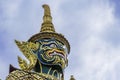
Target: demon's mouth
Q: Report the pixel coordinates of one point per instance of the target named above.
(57, 52)
(55, 57)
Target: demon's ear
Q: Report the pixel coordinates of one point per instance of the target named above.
(38, 43)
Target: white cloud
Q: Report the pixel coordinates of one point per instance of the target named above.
(99, 57)
(3, 69)
(99, 61)
(11, 7)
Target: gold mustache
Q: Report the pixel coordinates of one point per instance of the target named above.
(56, 52)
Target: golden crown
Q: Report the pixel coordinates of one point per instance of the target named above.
(48, 30)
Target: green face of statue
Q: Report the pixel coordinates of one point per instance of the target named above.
(52, 52)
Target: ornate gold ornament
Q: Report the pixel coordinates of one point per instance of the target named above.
(27, 49)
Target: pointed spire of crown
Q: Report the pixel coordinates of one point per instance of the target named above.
(47, 25)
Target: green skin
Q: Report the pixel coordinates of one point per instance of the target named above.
(53, 64)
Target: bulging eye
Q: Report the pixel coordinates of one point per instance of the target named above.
(64, 47)
(52, 45)
(46, 47)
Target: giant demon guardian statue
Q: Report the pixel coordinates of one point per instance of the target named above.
(46, 52)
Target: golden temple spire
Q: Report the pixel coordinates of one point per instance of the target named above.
(72, 78)
(47, 25)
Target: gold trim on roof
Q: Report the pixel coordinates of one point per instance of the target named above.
(26, 75)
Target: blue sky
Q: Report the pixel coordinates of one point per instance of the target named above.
(91, 26)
